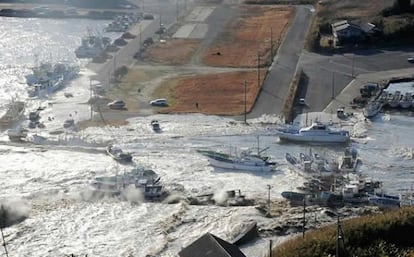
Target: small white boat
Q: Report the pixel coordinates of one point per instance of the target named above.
(310, 166)
(318, 132)
(394, 102)
(372, 109)
(245, 161)
(117, 154)
(406, 100)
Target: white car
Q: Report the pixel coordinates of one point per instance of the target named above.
(159, 102)
(410, 59)
(117, 104)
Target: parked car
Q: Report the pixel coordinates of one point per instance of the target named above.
(117, 104)
(159, 102)
(410, 59)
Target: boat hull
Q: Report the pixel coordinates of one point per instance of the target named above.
(234, 165)
(313, 139)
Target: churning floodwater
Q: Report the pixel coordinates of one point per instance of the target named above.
(48, 183)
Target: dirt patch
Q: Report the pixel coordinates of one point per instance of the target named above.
(172, 52)
(218, 94)
(255, 34)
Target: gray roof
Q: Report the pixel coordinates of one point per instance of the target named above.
(211, 246)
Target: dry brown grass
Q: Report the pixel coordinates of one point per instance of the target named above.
(252, 34)
(219, 94)
(173, 52)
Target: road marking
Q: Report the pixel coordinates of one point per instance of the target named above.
(199, 14)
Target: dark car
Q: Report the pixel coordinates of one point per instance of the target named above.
(410, 59)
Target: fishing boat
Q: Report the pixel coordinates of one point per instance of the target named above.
(145, 180)
(118, 154)
(310, 165)
(294, 197)
(385, 201)
(350, 161)
(47, 77)
(92, 46)
(406, 100)
(372, 109)
(246, 160)
(317, 132)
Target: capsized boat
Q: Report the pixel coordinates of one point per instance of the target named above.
(246, 160)
(317, 132)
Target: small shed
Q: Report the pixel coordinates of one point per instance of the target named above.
(210, 245)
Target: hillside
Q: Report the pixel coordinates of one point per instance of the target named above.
(384, 234)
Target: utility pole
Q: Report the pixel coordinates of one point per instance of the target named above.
(339, 238)
(258, 69)
(333, 85)
(245, 102)
(352, 71)
(270, 247)
(268, 199)
(4, 242)
(271, 44)
(140, 38)
(3, 221)
(304, 218)
(90, 95)
(176, 10)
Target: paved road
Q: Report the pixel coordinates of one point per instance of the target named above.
(165, 12)
(276, 85)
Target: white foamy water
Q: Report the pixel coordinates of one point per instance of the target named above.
(50, 184)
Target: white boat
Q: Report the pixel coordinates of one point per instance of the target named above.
(350, 161)
(145, 180)
(372, 109)
(47, 78)
(394, 102)
(92, 47)
(317, 132)
(118, 154)
(310, 166)
(245, 161)
(406, 100)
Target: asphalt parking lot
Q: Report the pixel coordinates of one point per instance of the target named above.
(330, 74)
